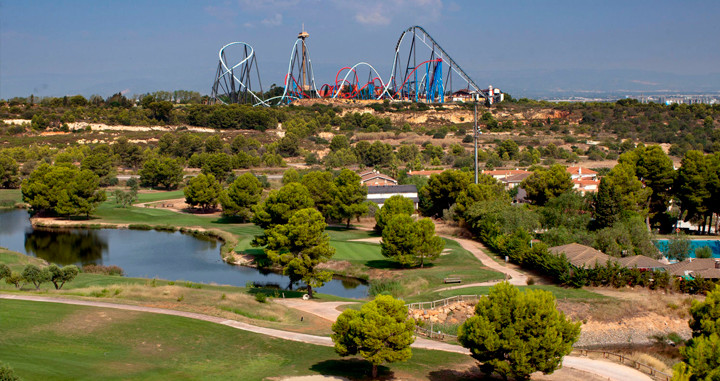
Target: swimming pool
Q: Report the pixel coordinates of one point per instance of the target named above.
(694, 244)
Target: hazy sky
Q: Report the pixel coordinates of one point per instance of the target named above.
(67, 47)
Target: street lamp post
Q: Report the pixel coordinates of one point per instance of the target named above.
(475, 135)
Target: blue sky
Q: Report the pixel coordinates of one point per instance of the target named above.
(68, 47)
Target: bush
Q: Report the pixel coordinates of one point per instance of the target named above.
(260, 297)
(386, 287)
(100, 269)
(140, 227)
(7, 373)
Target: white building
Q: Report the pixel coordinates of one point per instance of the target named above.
(378, 194)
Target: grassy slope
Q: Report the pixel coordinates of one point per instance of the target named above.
(236, 303)
(559, 292)
(10, 196)
(43, 341)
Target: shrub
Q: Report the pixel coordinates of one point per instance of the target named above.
(140, 227)
(386, 287)
(7, 373)
(260, 297)
(100, 269)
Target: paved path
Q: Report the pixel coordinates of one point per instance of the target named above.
(476, 248)
(326, 310)
(612, 371)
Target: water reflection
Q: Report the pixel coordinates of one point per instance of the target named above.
(146, 254)
(66, 247)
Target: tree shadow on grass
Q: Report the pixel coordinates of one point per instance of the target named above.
(474, 373)
(343, 228)
(353, 368)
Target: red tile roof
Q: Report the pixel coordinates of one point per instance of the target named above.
(576, 171)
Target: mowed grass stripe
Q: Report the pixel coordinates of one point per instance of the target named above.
(356, 251)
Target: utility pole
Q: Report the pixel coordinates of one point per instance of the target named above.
(475, 135)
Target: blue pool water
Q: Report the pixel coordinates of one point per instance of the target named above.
(694, 244)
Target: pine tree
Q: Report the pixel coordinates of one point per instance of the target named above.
(515, 333)
(380, 332)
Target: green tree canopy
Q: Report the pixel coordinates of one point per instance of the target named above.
(165, 172)
(322, 189)
(633, 194)
(36, 275)
(545, 184)
(218, 164)
(349, 197)
(299, 246)
(202, 191)
(4, 270)
(8, 172)
(655, 170)
(697, 185)
(409, 242)
(701, 356)
(487, 188)
(279, 206)
(339, 142)
(517, 333)
(101, 164)
(381, 332)
(130, 155)
(61, 275)
(396, 204)
(62, 189)
(241, 196)
(607, 209)
(290, 176)
(442, 191)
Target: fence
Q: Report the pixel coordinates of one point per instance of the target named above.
(656, 374)
(442, 302)
(434, 335)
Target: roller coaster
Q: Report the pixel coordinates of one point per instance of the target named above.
(422, 71)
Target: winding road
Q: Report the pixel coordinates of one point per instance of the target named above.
(612, 371)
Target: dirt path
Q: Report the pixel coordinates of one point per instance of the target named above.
(612, 371)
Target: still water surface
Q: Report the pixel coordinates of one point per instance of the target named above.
(146, 254)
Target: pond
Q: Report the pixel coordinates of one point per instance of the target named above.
(145, 254)
(694, 244)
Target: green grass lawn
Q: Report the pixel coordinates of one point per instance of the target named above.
(159, 196)
(559, 292)
(10, 197)
(44, 341)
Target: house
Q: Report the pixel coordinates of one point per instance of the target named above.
(583, 185)
(375, 178)
(708, 268)
(580, 255)
(642, 262)
(378, 194)
(581, 173)
(513, 181)
(463, 95)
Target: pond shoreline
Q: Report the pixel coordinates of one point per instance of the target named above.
(228, 240)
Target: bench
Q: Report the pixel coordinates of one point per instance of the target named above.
(453, 280)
